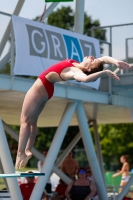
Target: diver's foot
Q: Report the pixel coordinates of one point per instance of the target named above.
(28, 153)
(19, 158)
(22, 160)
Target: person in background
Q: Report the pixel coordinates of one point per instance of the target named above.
(82, 188)
(124, 171)
(26, 188)
(70, 166)
(60, 191)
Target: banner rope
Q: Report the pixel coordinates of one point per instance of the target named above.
(42, 16)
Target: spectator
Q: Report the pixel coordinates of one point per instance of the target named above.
(124, 171)
(60, 191)
(82, 188)
(70, 166)
(26, 188)
(48, 186)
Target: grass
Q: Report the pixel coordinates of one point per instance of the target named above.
(2, 184)
(27, 169)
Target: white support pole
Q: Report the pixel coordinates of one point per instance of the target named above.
(8, 29)
(49, 10)
(87, 140)
(98, 149)
(79, 17)
(37, 154)
(125, 189)
(53, 151)
(8, 165)
(68, 149)
(12, 50)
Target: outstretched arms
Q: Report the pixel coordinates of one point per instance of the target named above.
(118, 63)
(92, 77)
(105, 59)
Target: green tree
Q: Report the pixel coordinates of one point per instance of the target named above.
(116, 140)
(62, 18)
(46, 135)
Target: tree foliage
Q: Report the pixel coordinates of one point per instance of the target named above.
(116, 140)
(62, 18)
(46, 136)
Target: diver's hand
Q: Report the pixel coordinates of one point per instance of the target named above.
(123, 65)
(112, 74)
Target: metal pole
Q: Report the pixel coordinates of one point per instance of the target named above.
(98, 148)
(127, 54)
(37, 154)
(12, 50)
(125, 189)
(53, 151)
(8, 29)
(109, 78)
(68, 149)
(110, 49)
(79, 17)
(8, 165)
(87, 140)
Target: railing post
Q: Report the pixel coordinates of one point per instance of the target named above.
(12, 50)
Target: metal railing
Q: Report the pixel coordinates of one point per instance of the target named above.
(118, 38)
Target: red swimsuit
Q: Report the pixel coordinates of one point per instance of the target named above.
(54, 68)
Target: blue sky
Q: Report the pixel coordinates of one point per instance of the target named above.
(109, 12)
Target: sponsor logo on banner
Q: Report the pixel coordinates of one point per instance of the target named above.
(61, 46)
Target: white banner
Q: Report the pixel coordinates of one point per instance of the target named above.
(38, 46)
